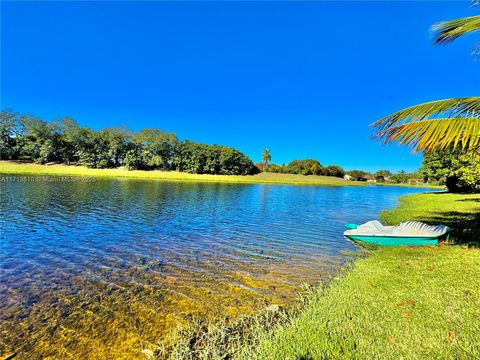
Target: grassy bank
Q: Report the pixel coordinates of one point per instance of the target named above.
(396, 303)
(15, 168)
(18, 168)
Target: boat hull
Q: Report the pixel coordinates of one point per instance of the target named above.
(397, 240)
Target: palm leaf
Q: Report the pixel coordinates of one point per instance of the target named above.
(435, 133)
(456, 107)
(447, 31)
(441, 123)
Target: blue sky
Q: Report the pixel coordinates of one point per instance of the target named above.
(303, 79)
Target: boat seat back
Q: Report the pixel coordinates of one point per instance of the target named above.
(370, 227)
(419, 228)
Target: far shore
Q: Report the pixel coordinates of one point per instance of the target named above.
(23, 168)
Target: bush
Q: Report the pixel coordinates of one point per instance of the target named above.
(282, 169)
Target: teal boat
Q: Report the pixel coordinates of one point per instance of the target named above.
(407, 233)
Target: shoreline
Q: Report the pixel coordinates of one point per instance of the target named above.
(20, 168)
(388, 303)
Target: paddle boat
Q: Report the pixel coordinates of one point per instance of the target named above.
(407, 233)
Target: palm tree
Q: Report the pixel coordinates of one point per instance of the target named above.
(266, 158)
(434, 125)
(437, 124)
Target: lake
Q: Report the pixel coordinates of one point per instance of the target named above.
(101, 268)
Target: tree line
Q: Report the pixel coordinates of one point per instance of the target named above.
(303, 167)
(386, 176)
(29, 138)
(314, 167)
(456, 168)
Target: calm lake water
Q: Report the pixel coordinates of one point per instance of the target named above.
(101, 268)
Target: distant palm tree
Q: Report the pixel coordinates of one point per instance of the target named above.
(266, 158)
(437, 124)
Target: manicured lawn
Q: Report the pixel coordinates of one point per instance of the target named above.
(398, 303)
(8, 167)
(459, 211)
(17, 168)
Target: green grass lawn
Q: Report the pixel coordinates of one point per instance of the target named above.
(460, 212)
(10, 167)
(399, 303)
(394, 303)
(20, 168)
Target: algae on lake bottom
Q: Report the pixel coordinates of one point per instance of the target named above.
(80, 317)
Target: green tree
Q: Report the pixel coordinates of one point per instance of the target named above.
(190, 157)
(94, 150)
(197, 158)
(333, 170)
(266, 158)
(117, 139)
(156, 148)
(274, 168)
(469, 171)
(305, 167)
(78, 141)
(400, 177)
(458, 169)
(133, 159)
(42, 141)
(11, 133)
(315, 169)
(381, 175)
(233, 162)
(357, 175)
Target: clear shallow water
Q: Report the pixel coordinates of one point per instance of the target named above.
(88, 266)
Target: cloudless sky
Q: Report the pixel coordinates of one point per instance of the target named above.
(304, 79)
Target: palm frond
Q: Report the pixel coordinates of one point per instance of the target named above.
(435, 133)
(447, 31)
(456, 107)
